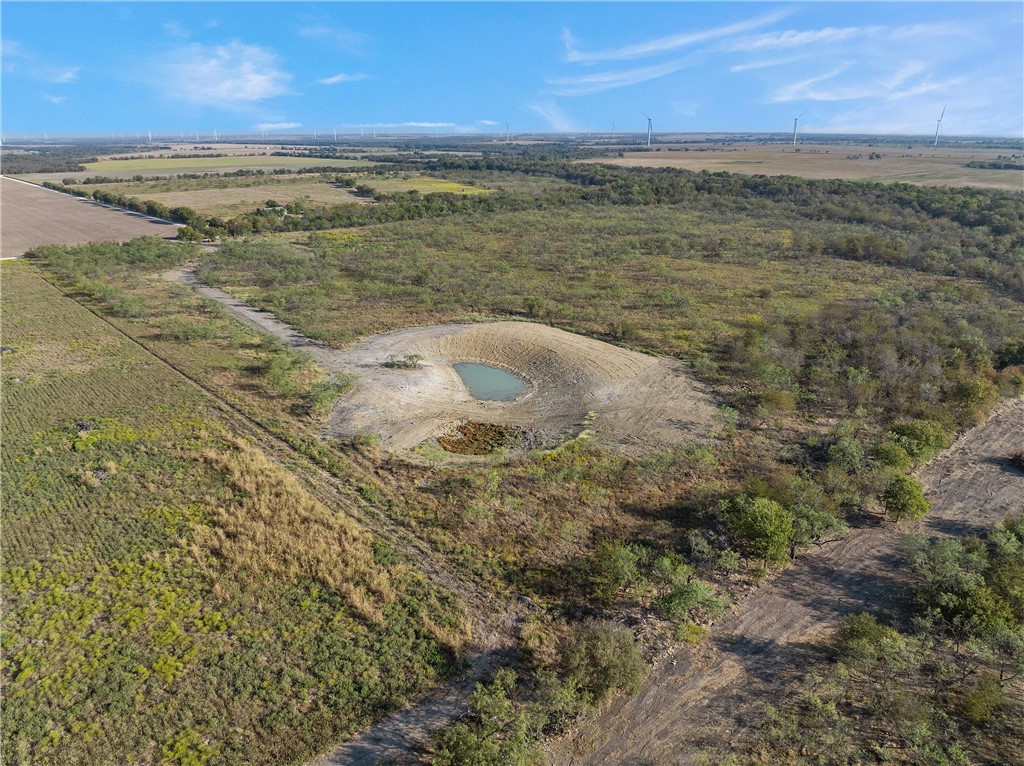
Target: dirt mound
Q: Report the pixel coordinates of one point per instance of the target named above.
(637, 402)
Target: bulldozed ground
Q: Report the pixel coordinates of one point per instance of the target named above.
(34, 216)
(632, 401)
(705, 700)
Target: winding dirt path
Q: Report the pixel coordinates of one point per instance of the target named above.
(707, 698)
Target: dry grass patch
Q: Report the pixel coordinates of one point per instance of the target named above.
(278, 527)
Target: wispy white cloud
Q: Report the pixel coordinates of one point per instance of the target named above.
(583, 85)
(174, 29)
(488, 122)
(662, 44)
(902, 74)
(343, 77)
(278, 125)
(20, 60)
(60, 75)
(792, 38)
(810, 89)
(926, 86)
(765, 63)
(556, 117)
(231, 75)
(56, 100)
(341, 37)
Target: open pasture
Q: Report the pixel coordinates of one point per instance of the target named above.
(161, 573)
(422, 184)
(939, 166)
(33, 216)
(230, 197)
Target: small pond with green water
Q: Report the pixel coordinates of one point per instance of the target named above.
(490, 383)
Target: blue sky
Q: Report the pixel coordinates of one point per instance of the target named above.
(102, 68)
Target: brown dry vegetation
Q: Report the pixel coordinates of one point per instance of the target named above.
(941, 166)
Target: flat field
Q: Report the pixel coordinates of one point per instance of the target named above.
(233, 196)
(33, 216)
(940, 166)
(170, 166)
(163, 577)
(422, 184)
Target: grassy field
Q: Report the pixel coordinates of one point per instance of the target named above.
(940, 166)
(675, 279)
(422, 184)
(172, 595)
(213, 164)
(232, 196)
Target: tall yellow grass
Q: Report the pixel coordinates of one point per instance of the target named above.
(275, 525)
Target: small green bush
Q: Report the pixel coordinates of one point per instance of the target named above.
(904, 499)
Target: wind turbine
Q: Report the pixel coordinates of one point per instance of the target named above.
(938, 125)
(613, 130)
(795, 120)
(506, 132)
(649, 124)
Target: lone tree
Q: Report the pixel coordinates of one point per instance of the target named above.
(904, 499)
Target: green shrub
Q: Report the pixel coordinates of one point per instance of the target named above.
(761, 526)
(891, 454)
(904, 499)
(603, 659)
(614, 567)
(921, 439)
(983, 699)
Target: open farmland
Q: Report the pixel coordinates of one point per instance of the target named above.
(939, 166)
(229, 197)
(162, 573)
(422, 184)
(171, 166)
(33, 216)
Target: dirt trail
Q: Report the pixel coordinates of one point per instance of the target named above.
(706, 699)
(633, 401)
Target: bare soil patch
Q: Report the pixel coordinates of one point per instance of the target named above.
(632, 401)
(707, 699)
(33, 216)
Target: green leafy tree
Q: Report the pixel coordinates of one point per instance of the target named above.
(904, 499)
(762, 527)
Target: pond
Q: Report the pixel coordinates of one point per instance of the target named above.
(490, 383)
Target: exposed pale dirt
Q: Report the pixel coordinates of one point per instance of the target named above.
(707, 698)
(639, 402)
(33, 216)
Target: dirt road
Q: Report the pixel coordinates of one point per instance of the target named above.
(707, 698)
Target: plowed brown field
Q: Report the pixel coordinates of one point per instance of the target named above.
(32, 216)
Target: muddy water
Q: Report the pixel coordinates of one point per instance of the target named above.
(490, 383)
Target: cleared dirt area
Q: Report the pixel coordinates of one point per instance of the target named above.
(638, 402)
(926, 166)
(706, 699)
(632, 401)
(33, 216)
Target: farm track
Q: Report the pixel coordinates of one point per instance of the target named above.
(708, 699)
(493, 618)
